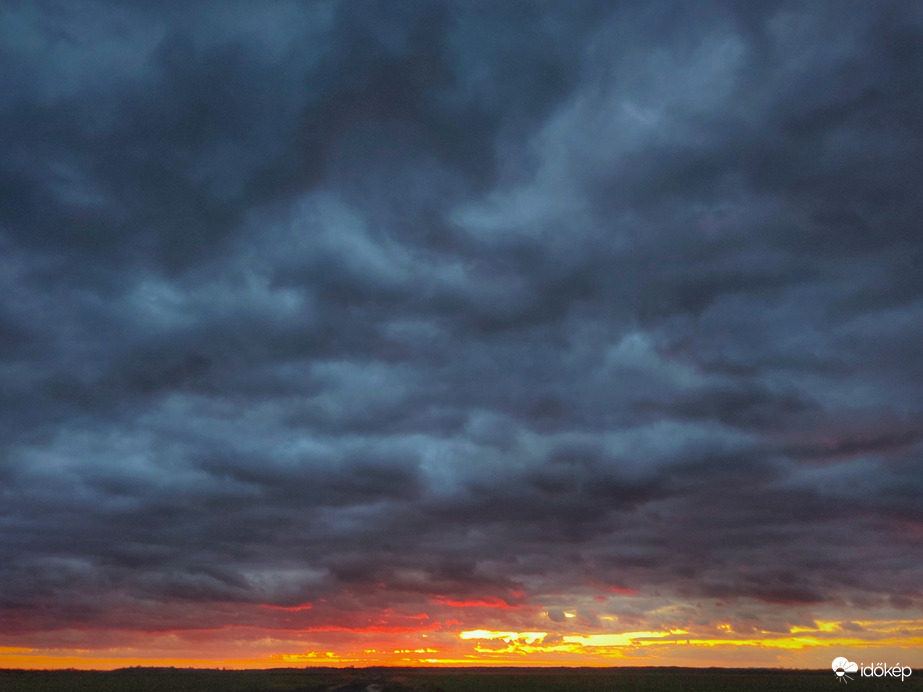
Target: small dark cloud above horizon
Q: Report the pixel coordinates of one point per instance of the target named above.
(370, 304)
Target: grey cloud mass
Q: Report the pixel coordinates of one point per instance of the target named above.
(369, 303)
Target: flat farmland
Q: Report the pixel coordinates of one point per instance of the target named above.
(436, 680)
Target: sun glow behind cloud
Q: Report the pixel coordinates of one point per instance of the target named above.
(703, 645)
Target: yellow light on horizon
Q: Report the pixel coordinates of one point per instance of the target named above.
(821, 627)
(528, 637)
(623, 639)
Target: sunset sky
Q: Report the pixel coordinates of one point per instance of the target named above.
(399, 332)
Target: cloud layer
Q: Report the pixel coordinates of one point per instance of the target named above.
(320, 317)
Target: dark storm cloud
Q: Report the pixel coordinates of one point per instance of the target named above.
(374, 304)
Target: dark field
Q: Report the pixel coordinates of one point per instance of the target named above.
(435, 680)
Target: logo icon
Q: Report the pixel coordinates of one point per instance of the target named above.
(841, 666)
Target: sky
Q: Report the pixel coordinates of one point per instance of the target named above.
(460, 332)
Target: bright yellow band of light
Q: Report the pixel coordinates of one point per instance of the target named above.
(710, 644)
(528, 637)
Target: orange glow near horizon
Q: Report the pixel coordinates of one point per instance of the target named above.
(440, 645)
(291, 609)
(475, 603)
